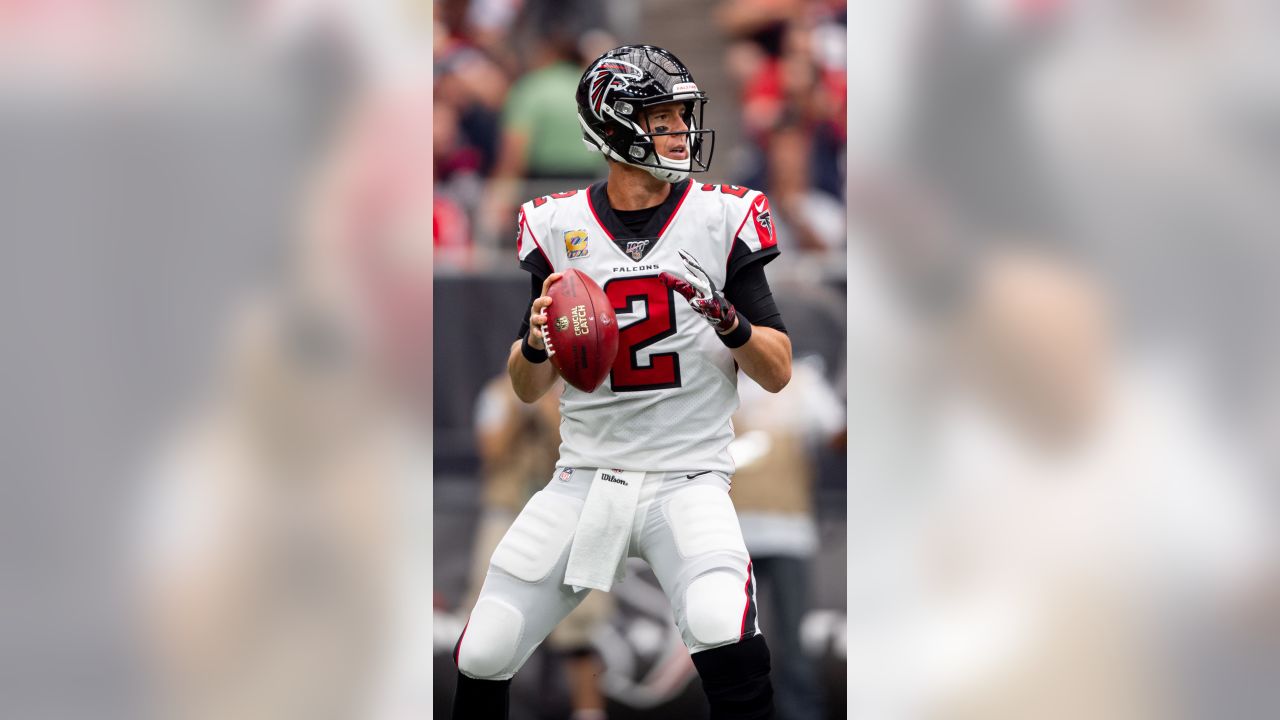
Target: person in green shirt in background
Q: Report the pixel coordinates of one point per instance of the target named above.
(541, 137)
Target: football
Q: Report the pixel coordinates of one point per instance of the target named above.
(583, 330)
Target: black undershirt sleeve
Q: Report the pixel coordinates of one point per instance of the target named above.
(538, 272)
(748, 290)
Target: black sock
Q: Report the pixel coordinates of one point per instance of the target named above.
(481, 699)
(736, 680)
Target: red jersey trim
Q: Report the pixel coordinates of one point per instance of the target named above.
(525, 221)
(675, 212)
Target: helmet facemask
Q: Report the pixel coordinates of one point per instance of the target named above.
(633, 142)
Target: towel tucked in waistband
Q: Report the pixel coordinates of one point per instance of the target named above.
(599, 550)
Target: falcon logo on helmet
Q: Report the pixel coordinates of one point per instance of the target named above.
(617, 89)
(609, 74)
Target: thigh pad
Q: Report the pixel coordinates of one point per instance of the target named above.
(702, 520)
(538, 537)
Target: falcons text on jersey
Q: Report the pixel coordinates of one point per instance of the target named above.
(668, 401)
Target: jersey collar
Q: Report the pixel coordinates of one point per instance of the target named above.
(622, 237)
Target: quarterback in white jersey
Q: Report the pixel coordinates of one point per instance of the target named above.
(671, 371)
(644, 466)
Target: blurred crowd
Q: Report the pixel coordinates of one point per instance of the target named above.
(786, 61)
(505, 126)
(217, 343)
(1063, 353)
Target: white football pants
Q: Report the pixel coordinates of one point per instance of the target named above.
(685, 528)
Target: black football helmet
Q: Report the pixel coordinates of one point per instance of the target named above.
(615, 90)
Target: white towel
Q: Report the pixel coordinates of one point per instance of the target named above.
(599, 551)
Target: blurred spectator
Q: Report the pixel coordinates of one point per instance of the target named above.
(453, 156)
(474, 86)
(773, 493)
(180, 133)
(1092, 520)
(456, 173)
(505, 29)
(518, 446)
(968, 137)
(788, 59)
(541, 135)
(1085, 515)
(364, 234)
(450, 233)
(267, 533)
(491, 23)
(1160, 122)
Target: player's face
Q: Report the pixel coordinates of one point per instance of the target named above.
(665, 118)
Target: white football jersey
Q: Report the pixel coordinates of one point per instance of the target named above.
(667, 404)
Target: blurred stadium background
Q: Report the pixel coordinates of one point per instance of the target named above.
(506, 131)
(1058, 273)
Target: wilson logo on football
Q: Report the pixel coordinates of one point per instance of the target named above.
(575, 244)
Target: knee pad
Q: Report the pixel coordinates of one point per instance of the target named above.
(538, 537)
(487, 648)
(718, 609)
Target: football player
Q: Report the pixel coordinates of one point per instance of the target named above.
(660, 426)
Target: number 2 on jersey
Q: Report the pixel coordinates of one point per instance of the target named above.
(663, 369)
